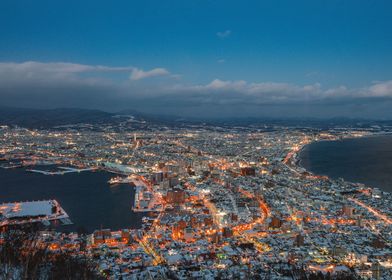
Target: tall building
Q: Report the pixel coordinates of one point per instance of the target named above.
(348, 210)
(248, 171)
(175, 196)
(299, 240)
(275, 222)
(376, 271)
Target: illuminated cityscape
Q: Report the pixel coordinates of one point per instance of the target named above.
(218, 202)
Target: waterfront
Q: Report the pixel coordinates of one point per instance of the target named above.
(87, 197)
(366, 160)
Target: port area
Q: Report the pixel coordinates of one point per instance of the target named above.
(42, 211)
(146, 197)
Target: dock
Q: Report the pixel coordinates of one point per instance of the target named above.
(41, 211)
(64, 170)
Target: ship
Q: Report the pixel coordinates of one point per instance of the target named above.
(119, 180)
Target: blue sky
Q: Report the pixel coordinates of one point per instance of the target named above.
(306, 50)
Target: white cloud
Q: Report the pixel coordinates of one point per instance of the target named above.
(38, 70)
(58, 67)
(223, 34)
(256, 92)
(138, 74)
(66, 84)
(274, 93)
(381, 89)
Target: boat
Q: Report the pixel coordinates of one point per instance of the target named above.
(116, 180)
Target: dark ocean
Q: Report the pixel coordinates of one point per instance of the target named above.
(366, 160)
(87, 197)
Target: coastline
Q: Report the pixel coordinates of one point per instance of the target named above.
(298, 163)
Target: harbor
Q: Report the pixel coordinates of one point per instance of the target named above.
(88, 199)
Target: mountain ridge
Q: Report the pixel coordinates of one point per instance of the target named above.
(46, 118)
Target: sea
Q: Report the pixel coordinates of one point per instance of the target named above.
(366, 160)
(89, 200)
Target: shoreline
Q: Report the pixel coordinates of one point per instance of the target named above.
(298, 159)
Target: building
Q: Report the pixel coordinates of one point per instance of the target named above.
(248, 171)
(175, 196)
(348, 210)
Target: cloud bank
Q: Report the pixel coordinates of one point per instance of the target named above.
(59, 84)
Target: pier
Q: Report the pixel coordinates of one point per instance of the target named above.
(64, 170)
(44, 211)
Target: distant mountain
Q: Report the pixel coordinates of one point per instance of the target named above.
(46, 118)
(40, 118)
